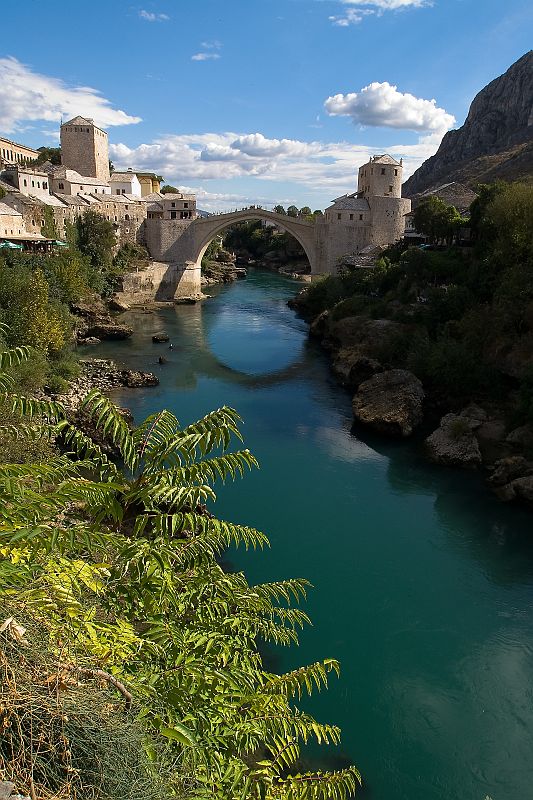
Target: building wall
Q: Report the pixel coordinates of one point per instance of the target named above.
(148, 184)
(13, 153)
(64, 186)
(162, 238)
(388, 218)
(28, 181)
(85, 148)
(11, 225)
(131, 186)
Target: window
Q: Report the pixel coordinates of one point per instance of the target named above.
(360, 216)
(396, 172)
(351, 216)
(38, 184)
(45, 184)
(33, 183)
(61, 186)
(185, 205)
(117, 191)
(390, 189)
(25, 182)
(173, 205)
(172, 215)
(123, 191)
(126, 216)
(339, 216)
(383, 170)
(81, 188)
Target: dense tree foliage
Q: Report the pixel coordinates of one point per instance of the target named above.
(168, 189)
(51, 154)
(437, 221)
(467, 308)
(116, 571)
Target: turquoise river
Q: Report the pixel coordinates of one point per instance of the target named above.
(423, 583)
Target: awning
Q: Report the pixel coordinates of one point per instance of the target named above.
(10, 246)
(58, 243)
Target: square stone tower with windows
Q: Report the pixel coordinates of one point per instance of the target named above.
(85, 148)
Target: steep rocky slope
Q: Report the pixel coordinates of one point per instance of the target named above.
(496, 140)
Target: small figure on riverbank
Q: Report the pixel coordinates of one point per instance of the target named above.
(171, 346)
(161, 360)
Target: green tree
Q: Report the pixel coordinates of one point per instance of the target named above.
(305, 211)
(292, 211)
(436, 220)
(51, 154)
(279, 210)
(168, 189)
(121, 568)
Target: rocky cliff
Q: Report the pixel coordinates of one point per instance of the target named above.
(496, 140)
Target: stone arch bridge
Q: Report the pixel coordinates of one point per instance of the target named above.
(178, 246)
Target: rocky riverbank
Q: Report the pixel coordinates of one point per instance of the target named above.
(393, 402)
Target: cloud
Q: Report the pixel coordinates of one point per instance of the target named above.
(27, 95)
(211, 54)
(356, 10)
(205, 56)
(150, 16)
(382, 105)
(326, 167)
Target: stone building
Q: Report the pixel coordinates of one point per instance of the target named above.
(85, 148)
(125, 183)
(11, 222)
(150, 182)
(69, 181)
(27, 180)
(171, 205)
(375, 214)
(14, 153)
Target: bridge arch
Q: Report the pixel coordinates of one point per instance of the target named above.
(206, 229)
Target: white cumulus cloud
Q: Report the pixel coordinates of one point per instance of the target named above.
(356, 10)
(205, 56)
(26, 96)
(382, 105)
(151, 16)
(328, 168)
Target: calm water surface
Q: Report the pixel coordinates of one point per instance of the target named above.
(423, 582)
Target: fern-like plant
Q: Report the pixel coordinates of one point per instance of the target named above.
(119, 564)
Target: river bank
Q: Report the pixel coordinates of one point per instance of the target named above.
(366, 355)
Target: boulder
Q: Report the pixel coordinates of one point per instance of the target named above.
(186, 301)
(108, 330)
(366, 336)
(89, 340)
(390, 402)
(509, 469)
(454, 443)
(134, 380)
(116, 304)
(521, 438)
(319, 325)
(158, 338)
(351, 369)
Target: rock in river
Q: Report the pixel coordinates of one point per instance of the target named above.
(390, 402)
(454, 442)
(108, 330)
(157, 338)
(134, 380)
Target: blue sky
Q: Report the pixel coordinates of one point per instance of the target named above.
(247, 101)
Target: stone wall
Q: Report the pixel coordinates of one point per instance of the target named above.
(162, 236)
(161, 282)
(388, 223)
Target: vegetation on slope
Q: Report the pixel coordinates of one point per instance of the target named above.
(126, 651)
(469, 310)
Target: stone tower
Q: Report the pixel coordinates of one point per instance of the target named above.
(380, 177)
(84, 148)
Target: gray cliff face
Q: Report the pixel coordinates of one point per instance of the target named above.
(496, 139)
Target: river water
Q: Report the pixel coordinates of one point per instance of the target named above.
(423, 583)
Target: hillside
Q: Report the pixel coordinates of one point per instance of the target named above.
(496, 140)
